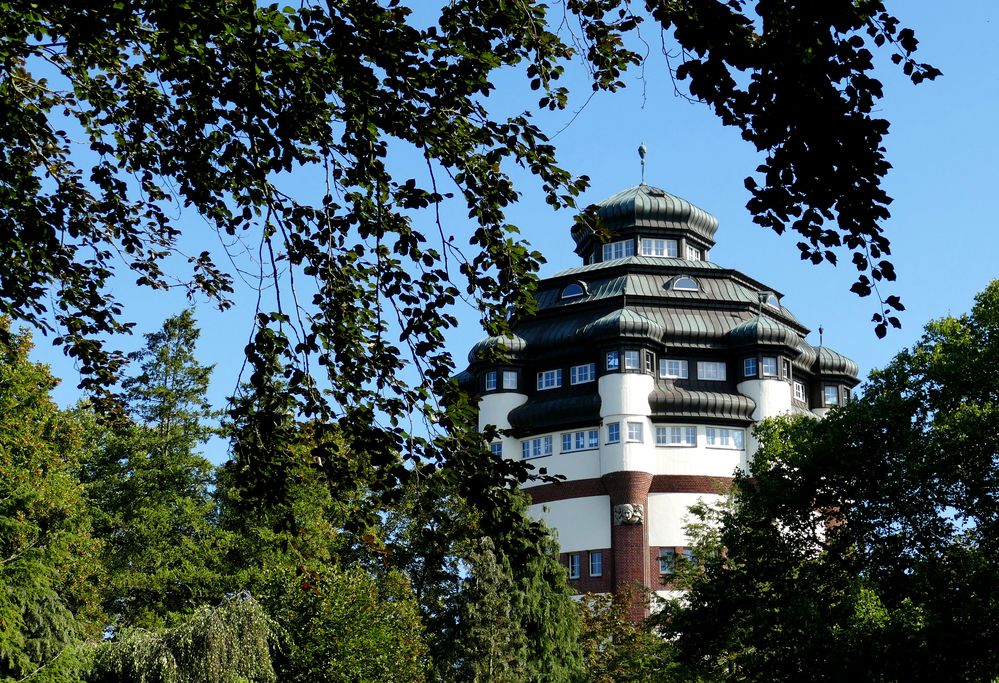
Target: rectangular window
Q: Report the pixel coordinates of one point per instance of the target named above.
(749, 367)
(537, 447)
(725, 438)
(676, 436)
(491, 380)
(799, 391)
(579, 374)
(496, 448)
(654, 247)
(614, 432)
(596, 563)
(549, 379)
(509, 379)
(580, 441)
(693, 253)
(689, 556)
(769, 366)
(619, 249)
(635, 432)
(711, 370)
(613, 360)
(667, 560)
(672, 368)
(574, 565)
(631, 360)
(650, 362)
(846, 395)
(786, 367)
(830, 394)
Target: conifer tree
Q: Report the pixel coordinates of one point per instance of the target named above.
(163, 550)
(48, 602)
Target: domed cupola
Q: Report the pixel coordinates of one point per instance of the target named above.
(830, 364)
(623, 323)
(510, 347)
(649, 212)
(762, 331)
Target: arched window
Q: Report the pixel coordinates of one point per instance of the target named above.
(686, 284)
(573, 290)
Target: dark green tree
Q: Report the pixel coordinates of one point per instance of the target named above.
(863, 546)
(153, 488)
(49, 576)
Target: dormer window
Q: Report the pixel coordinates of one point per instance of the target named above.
(685, 284)
(573, 290)
(693, 253)
(770, 299)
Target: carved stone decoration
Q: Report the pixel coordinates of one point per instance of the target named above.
(628, 513)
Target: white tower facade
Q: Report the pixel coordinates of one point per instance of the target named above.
(638, 381)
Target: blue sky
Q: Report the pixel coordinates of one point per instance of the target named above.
(943, 144)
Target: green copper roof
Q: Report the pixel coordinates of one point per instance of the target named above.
(510, 346)
(645, 206)
(831, 363)
(624, 323)
(549, 413)
(672, 401)
(762, 331)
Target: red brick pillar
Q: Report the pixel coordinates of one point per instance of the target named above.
(630, 541)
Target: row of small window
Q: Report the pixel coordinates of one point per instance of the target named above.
(665, 248)
(509, 379)
(628, 360)
(595, 560)
(588, 439)
(752, 367)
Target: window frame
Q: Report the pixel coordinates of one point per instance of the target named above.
(496, 448)
(597, 555)
(684, 431)
(632, 355)
(684, 366)
(537, 447)
(616, 365)
(772, 362)
(825, 395)
(636, 432)
(590, 440)
(716, 364)
(507, 382)
(554, 375)
(679, 284)
(574, 374)
(670, 568)
(694, 253)
(619, 249)
(750, 362)
(613, 432)
(655, 242)
(799, 391)
(726, 438)
(573, 565)
(491, 383)
(572, 290)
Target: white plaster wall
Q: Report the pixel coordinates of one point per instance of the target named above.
(624, 398)
(772, 396)
(624, 393)
(711, 462)
(494, 408)
(582, 523)
(667, 516)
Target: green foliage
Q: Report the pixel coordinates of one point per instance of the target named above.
(863, 546)
(48, 577)
(346, 625)
(618, 650)
(209, 105)
(231, 643)
(153, 491)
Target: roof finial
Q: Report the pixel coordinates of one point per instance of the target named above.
(821, 330)
(642, 151)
